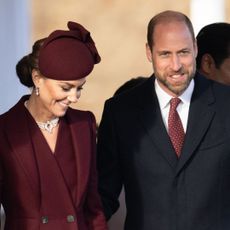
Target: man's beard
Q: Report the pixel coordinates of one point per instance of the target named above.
(177, 90)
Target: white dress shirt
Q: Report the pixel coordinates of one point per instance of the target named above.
(182, 108)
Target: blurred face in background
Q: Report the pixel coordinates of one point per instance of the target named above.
(210, 70)
(222, 74)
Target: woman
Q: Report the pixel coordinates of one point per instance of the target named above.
(48, 178)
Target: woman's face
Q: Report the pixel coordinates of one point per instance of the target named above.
(56, 96)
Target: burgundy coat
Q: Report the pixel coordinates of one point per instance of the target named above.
(20, 183)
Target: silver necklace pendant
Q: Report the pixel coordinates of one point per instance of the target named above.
(49, 125)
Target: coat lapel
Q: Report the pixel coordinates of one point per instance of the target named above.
(201, 114)
(55, 195)
(17, 131)
(151, 119)
(81, 135)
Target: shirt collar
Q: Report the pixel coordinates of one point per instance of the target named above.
(164, 98)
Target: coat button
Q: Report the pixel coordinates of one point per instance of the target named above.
(45, 219)
(70, 218)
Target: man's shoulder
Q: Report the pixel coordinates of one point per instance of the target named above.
(14, 111)
(219, 90)
(78, 115)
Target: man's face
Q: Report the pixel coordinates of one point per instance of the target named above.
(173, 56)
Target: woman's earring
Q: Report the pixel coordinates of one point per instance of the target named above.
(37, 91)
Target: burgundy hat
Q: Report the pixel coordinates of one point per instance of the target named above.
(68, 55)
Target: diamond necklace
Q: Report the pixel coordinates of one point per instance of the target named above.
(49, 125)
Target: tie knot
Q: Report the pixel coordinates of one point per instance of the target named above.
(174, 102)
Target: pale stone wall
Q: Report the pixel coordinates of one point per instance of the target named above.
(119, 30)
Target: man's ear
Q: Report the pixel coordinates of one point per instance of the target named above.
(207, 64)
(148, 52)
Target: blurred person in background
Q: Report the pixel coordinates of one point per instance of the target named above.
(213, 59)
(130, 84)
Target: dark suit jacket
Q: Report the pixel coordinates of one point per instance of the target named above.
(163, 192)
(20, 185)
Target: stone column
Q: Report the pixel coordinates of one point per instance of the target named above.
(205, 12)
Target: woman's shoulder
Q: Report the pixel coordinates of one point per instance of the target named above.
(76, 114)
(15, 115)
(15, 109)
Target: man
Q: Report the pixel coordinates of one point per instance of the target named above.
(213, 59)
(171, 182)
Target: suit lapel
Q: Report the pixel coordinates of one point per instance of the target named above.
(201, 114)
(17, 131)
(151, 119)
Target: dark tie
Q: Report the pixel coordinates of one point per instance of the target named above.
(175, 127)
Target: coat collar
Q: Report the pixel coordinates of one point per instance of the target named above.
(150, 116)
(19, 136)
(81, 133)
(200, 115)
